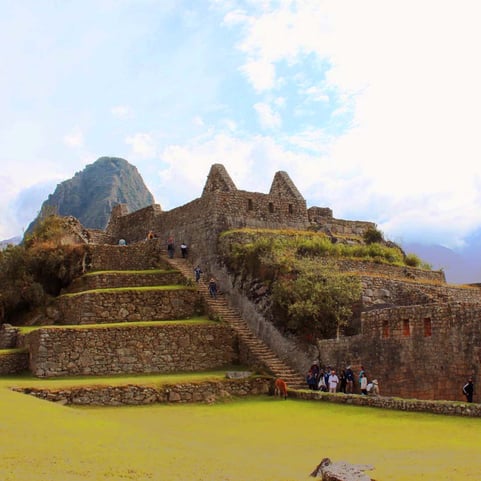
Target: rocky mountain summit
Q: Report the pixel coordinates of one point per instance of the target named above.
(90, 194)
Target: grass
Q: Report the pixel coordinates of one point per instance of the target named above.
(175, 287)
(191, 321)
(131, 272)
(254, 439)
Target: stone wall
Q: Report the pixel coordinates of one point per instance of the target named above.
(141, 222)
(8, 336)
(206, 391)
(385, 290)
(221, 207)
(13, 361)
(411, 405)
(163, 348)
(424, 352)
(129, 305)
(322, 217)
(103, 280)
(142, 255)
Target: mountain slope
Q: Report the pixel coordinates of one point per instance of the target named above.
(463, 267)
(90, 194)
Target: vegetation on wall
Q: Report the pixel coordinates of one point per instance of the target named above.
(310, 296)
(32, 272)
(316, 302)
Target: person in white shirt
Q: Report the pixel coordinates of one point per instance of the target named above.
(333, 381)
(363, 384)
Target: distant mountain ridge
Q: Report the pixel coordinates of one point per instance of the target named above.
(90, 194)
(12, 241)
(460, 267)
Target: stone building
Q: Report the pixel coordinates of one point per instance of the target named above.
(417, 335)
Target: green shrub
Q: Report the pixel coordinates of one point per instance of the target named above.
(317, 301)
(373, 235)
(39, 268)
(412, 260)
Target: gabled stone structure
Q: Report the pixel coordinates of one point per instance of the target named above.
(418, 336)
(221, 207)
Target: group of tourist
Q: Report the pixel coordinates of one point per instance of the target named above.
(328, 380)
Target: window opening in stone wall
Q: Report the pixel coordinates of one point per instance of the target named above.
(271, 207)
(291, 209)
(250, 204)
(385, 329)
(427, 327)
(406, 328)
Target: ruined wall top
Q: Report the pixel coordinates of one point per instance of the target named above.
(283, 184)
(218, 179)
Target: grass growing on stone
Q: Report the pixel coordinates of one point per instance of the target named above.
(176, 287)
(27, 380)
(127, 324)
(255, 439)
(141, 272)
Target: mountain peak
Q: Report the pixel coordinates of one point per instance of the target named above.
(91, 193)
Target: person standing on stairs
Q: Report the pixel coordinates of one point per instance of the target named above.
(213, 288)
(197, 272)
(170, 247)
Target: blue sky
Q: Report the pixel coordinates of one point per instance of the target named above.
(371, 106)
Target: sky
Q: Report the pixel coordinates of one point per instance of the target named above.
(371, 106)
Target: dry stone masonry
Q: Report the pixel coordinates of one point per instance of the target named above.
(418, 336)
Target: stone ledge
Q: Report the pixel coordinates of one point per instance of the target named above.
(13, 361)
(188, 392)
(411, 405)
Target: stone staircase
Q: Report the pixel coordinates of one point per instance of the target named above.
(259, 349)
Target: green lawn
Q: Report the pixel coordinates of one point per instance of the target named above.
(255, 439)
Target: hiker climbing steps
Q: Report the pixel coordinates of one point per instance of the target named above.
(219, 307)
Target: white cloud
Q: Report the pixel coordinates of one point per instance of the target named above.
(406, 71)
(142, 145)
(74, 138)
(198, 121)
(267, 117)
(260, 73)
(317, 94)
(121, 112)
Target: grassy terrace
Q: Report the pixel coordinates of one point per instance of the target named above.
(253, 439)
(192, 321)
(175, 287)
(27, 380)
(140, 272)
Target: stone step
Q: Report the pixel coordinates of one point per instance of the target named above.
(220, 308)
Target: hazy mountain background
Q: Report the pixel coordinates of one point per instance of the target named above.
(460, 267)
(90, 194)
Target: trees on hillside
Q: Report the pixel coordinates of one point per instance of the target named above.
(317, 301)
(36, 269)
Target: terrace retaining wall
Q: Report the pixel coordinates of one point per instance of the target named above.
(131, 349)
(127, 306)
(205, 391)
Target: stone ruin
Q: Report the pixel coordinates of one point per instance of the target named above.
(418, 336)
